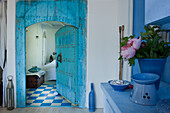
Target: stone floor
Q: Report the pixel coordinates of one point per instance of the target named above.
(48, 110)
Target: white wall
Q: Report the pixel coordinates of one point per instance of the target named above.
(38, 50)
(11, 68)
(104, 18)
(34, 46)
(50, 42)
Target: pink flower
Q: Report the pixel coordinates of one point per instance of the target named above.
(136, 43)
(124, 53)
(132, 53)
(128, 52)
(130, 43)
(124, 48)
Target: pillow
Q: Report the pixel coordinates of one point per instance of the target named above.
(34, 69)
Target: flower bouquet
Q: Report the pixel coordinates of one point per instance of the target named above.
(149, 45)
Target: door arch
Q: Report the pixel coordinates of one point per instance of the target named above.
(70, 12)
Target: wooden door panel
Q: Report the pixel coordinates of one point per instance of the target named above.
(66, 72)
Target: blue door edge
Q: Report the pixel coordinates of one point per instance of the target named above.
(61, 86)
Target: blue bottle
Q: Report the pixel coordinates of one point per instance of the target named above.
(92, 99)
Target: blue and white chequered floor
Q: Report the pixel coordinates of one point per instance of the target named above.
(44, 96)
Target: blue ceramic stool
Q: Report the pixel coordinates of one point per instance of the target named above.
(144, 91)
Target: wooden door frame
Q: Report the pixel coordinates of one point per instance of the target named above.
(23, 20)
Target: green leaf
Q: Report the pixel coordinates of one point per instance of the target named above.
(146, 28)
(120, 58)
(146, 54)
(132, 61)
(161, 49)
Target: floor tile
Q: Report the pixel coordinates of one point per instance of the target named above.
(58, 101)
(49, 88)
(30, 101)
(58, 97)
(46, 104)
(38, 101)
(56, 104)
(66, 104)
(36, 104)
(31, 98)
(39, 89)
(35, 95)
(52, 92)
(47, 101)
(37, 92)
(43, 85)
(30, 92)
(50, 95)
(65, 101)
(45, 92)
(50, 98)
(41, 98)
(44, 96)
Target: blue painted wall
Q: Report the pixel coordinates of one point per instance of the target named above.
(138, 25)
(157, 12)
(72, 12)
(151, 12)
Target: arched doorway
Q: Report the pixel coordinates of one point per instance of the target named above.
(70, 12)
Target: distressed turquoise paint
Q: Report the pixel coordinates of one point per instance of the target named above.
(82, 51)
(20, 62)
(73, 12)
(66, 72)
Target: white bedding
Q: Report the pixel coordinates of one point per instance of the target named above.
(50, 69)
(39, 73)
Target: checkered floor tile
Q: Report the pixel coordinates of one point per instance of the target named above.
(44, 96)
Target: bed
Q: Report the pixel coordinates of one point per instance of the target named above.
(50, 69)
(34, 80)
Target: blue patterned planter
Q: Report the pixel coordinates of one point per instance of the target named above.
(155, 66)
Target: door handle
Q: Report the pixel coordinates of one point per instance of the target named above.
(59, 58)
(57, 65)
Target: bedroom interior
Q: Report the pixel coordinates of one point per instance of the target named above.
(41, 65)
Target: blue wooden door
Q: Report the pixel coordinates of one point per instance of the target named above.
(66, 62)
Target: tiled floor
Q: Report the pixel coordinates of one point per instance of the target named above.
(44, 96)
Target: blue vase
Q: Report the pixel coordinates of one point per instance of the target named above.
(155, 66)
(92, 99)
